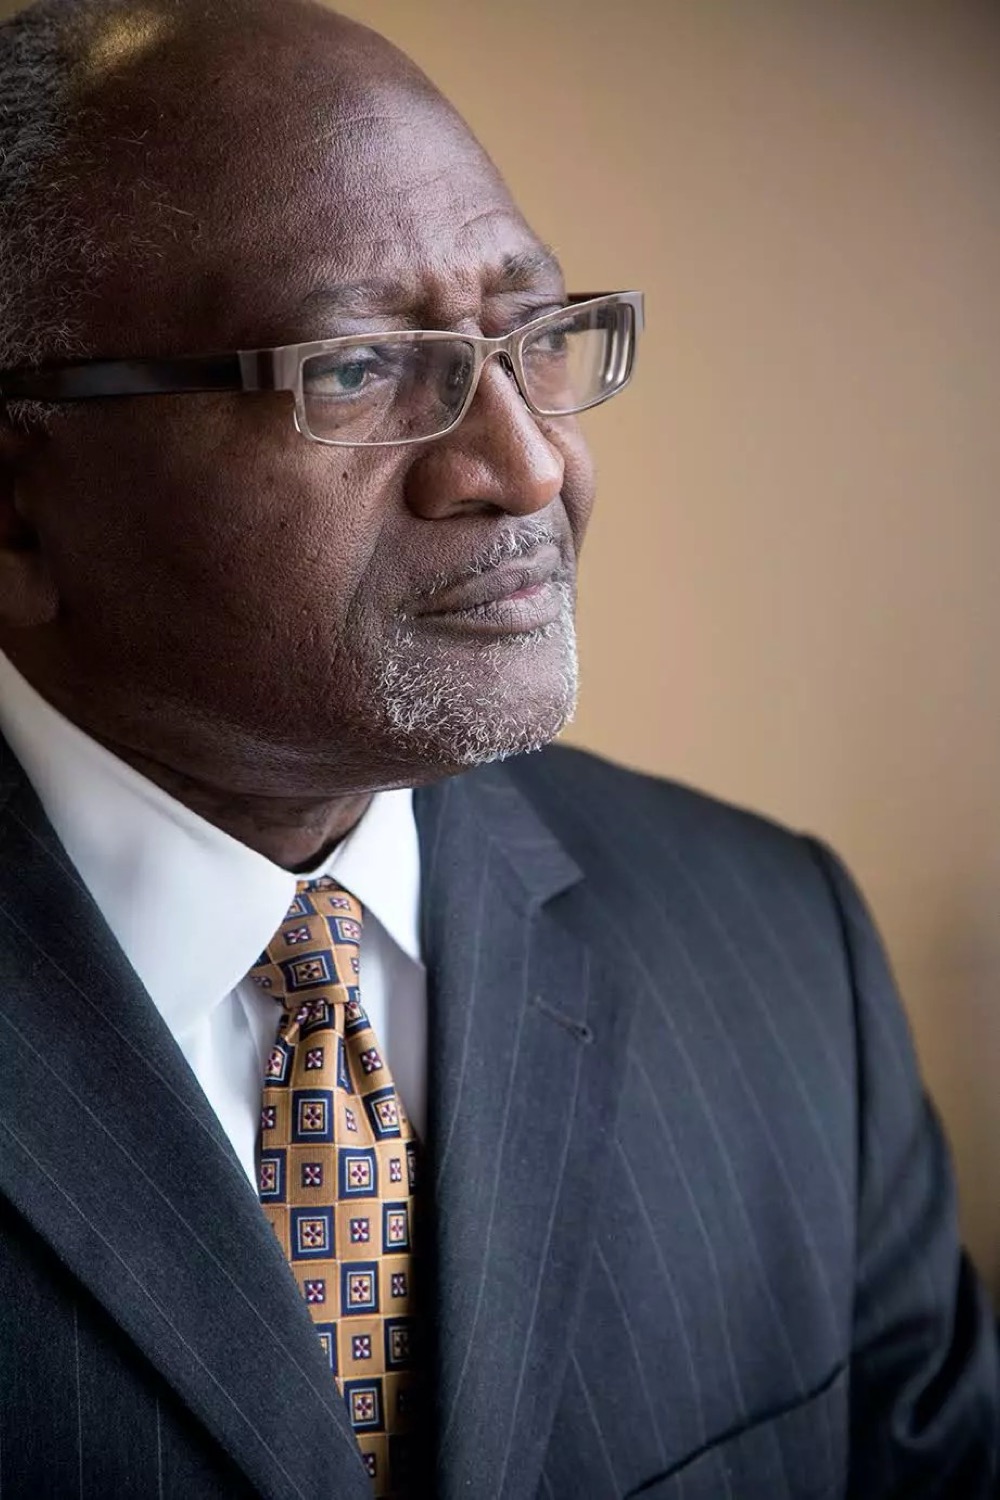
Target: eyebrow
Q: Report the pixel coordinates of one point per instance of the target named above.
(518, 272)
(522, 270)
(355, 296)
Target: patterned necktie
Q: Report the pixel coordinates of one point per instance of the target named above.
(337, 1175)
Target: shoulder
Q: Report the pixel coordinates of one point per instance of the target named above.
(560, 776)
(599, 808)
(665, 865)
(704, 861)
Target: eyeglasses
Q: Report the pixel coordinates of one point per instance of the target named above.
(377, 390)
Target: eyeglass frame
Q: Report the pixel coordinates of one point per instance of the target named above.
(280, 369)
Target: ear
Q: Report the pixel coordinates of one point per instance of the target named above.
(28, 595)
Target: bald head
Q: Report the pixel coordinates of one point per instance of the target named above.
(162, 142)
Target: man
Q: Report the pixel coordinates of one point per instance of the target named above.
(547, 1131)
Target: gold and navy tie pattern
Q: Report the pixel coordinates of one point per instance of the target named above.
(337, 1175)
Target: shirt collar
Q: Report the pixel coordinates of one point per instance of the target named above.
(379, 863)
(191, 907)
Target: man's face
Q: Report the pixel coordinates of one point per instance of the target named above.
(235, 601)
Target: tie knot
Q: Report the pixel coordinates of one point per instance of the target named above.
(324, 894)
(314, 955)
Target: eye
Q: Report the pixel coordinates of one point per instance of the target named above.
(345, 374)
(351, 376)
(552, 342)
(555, 340)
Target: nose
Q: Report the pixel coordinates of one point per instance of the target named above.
(498, 458)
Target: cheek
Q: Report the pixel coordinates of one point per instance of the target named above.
(232, 518)
(579, 476)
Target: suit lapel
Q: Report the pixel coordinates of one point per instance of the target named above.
(113, 1154)
(528, 1029)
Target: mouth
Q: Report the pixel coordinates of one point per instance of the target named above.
(513, 598)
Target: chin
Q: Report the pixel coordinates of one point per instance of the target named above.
(451, 708)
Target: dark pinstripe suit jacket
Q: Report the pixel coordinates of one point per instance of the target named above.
(694, 1224)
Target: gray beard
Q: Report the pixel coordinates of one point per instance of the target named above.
(443, 713)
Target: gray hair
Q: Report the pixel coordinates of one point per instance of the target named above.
(53, 247)
(47, 255)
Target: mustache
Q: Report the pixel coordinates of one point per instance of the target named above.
(509, 545)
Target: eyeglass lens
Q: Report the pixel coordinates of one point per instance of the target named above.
(391, 391)
(579, 360)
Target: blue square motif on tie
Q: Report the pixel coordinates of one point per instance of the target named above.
(371, 1061)
(355, 1015)
(271, 1177)
(312, 1233)
(359, 1287)
(364, 1404)
(382, 1109)
(395, 1228)
(312, 1116)
(313, 1015)
(398, 1343)
(307, 971)
(294, 935)
(345, 929)
(357, 1172)
(278, 1067)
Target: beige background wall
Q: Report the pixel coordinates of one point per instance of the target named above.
(791, 591)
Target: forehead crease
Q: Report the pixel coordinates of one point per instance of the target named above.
(489, 254)
(357, 296)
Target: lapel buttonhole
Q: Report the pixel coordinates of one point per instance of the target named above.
(579, 1029)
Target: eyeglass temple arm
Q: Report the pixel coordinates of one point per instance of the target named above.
(124, 377)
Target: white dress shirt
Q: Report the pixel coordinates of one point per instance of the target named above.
(193, 909)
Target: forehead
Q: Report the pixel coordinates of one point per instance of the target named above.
(406, 202)
(375, 189)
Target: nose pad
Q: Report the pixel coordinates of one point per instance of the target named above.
(507, 365)
(503, 359)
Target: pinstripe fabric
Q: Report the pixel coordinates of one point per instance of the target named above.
(86, 1415)
(720, 1261)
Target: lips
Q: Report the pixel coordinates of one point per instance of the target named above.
(517, 597)
(521, 578)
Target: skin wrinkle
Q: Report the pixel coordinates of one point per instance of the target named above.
(229, 608)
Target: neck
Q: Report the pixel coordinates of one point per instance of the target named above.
(295, 833)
